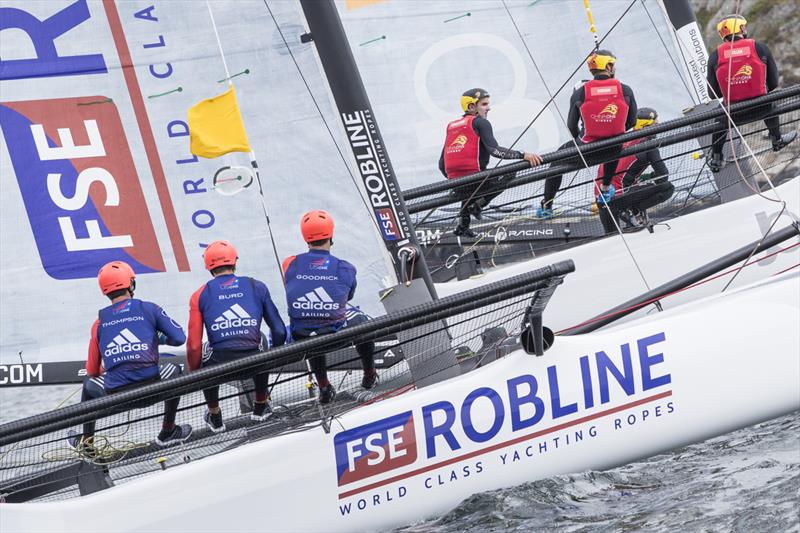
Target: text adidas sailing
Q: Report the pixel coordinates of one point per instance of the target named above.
(316, 300)
(233, 317)
(125, 342)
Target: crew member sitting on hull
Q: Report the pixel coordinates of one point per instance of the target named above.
(468, 144)
(605, 108)
(741, 69)
(231, 309)
(635, 195)
(318, 287)
(123, 351)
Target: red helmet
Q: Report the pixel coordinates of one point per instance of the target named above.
(114, 276)
(316, 226)
(220, 253)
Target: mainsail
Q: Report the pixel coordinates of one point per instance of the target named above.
(96, 167)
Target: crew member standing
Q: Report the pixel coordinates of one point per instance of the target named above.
(231, 308)
(467, 147)
(318, 287)
(633, 197)
(123, 350)
(604, 108)
(741, 69)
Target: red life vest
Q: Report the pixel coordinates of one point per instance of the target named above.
(461, 148)
(749, 72)
(604, 109)
(622, 167)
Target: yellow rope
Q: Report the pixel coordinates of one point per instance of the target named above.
(592, 27)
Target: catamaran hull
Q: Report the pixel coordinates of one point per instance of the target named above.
(605, 273)
(591, 402)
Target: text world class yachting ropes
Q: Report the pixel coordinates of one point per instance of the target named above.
(445, 441)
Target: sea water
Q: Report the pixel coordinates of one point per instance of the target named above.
(747, 480)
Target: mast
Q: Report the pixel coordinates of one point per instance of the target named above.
(364, 138)
(689, 40)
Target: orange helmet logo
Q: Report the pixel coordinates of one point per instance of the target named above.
(744, 70)
(461, 140)
(610, 109)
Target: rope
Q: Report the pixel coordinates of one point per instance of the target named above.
(322, 117)
(592, 27)
(533, 120)
(574, 141)
(653, 300)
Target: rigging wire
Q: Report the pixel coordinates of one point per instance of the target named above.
(574, 141)
(533, 120)
(251, 154)
(732, 127)
(322, 117)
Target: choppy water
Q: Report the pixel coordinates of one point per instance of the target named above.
(747, 481)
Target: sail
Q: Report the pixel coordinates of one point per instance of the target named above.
(417, 58)
(96, 165)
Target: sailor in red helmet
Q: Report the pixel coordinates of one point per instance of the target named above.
(231, 309)
(467, 147)
(123, 350)
(318, 287)
(741, 69)
(605, 108)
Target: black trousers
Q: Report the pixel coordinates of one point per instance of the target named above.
(637, 199)
(773, 125)
(319, 363)
(552, 185)
(95, 388)
(260, 380)
(480, 195)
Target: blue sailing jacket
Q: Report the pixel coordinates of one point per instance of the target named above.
(126, 336)
(232, 308)
(318, 287)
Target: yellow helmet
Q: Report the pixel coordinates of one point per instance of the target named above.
(600, 59)
(472, 97)
(645, 116)
(731, 25)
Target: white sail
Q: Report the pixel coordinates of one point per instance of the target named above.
(141, 196)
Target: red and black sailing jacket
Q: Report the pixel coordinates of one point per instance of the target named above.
(739, 62)
(461, 148)
(604, 109)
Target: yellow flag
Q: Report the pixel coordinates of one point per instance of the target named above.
(215, 126)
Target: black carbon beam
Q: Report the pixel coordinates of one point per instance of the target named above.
(364, 137)
(685, 280)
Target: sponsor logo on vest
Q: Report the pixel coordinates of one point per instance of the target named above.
(125, 342)
(122, 307)
(234, 317)
(608, 114)
(742, 76)
(457, 145)
(317, 277)
(319, 264)
(229, 284)
(461, 140)
(316, 300)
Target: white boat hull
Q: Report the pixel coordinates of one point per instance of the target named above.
(684, 375)
(605, 275)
